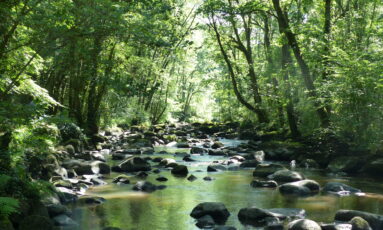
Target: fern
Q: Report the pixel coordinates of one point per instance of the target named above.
(8, 206)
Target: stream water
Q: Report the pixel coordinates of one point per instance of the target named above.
(170, 208)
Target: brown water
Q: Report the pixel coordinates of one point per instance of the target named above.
(169, 209)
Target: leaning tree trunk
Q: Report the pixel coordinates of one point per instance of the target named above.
(309, 83)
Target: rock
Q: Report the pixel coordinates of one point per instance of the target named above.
(286, 176)
(261, 217)
(336, 226)
(217, 152)
(300, 188)
(36, 222)
(207, 178)
(216, 168)
(237, 158)
(157, 159)
(197, 150)
(254, 216)
(358, 223)
(264, 184)
(66, 195)
(375, 221)
(205, 222)
(216, 210)
(103, 168)
(303, 224)
(135, 164)
(144, 186)
(264, 170)
(142, 174)
(217, 145)
(192, 178)
(161, 178)
(180, 170)
(167, 162)
(119, 156)
(346, 164)
(70, 149)
(121, 179)
(249, 164)
(156, 171)
(64, 220)
(183, 145)
(340, 188)
(283, 213)
(188, 159)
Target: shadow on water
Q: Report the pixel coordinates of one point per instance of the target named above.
(169, 209)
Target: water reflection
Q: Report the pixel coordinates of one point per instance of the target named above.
(170, 208)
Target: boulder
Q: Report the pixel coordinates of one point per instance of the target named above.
(300, 188)
(188, 159)
(216, 168)
(192, 178)
(216, 210)
(254, 216)
(144, 186)
(161, 178)
(205, 222)
(197, 150)
(264, 184)
(303, 224)
(183, 145)
(264, 170)
(121, 179)
(167, 162)
(286, 176)
(375, 221)
(261, 217)
(340, 189)
(217, 152)
(180, 170)
(249, 163)
(358, 223)
(336, 226)
(135, 164)
(217, 145)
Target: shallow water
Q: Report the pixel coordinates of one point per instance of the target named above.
(170, 208)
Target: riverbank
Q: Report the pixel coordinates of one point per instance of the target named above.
(130, 165)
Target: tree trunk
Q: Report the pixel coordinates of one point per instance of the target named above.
(285, 28)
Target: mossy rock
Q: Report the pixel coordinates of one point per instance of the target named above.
(358, 223)
(36, 222)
